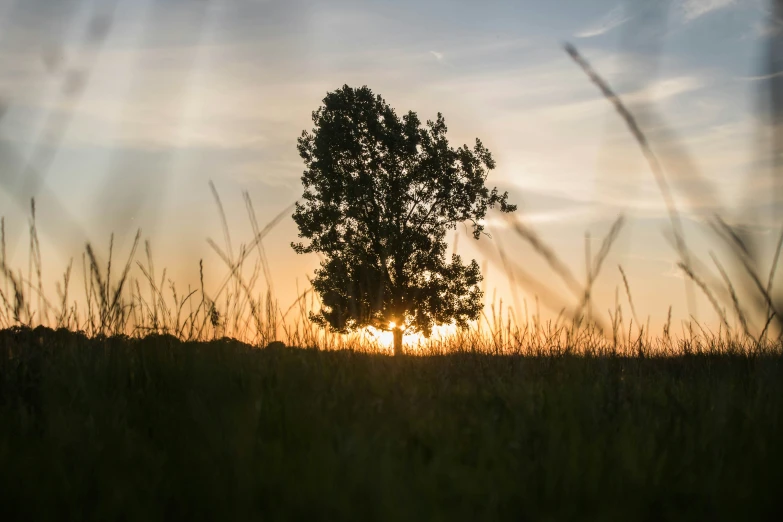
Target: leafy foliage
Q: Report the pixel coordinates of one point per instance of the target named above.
(380, 192)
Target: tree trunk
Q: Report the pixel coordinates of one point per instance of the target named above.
(397, 341)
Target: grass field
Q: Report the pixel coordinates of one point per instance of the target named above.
(158, 429)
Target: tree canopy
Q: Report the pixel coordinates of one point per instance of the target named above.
(380, 193)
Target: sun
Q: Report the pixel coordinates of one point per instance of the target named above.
(411, 340)
(385, 338)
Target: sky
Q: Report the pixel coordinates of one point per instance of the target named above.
(116, 115)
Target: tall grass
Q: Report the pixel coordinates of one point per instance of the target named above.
(135, 301)
(154, 429)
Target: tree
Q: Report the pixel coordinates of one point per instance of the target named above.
(380, 192)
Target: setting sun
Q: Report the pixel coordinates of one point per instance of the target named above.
(411, 340)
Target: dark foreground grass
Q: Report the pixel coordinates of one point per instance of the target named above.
(156, 429)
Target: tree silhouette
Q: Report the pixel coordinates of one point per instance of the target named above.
(380, 192)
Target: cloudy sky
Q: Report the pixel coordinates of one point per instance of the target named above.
(116, 114)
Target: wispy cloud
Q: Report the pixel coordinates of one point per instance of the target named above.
(693, 9)
(613, 19)
(656, 92)
(670, 87)
(759, 78)
(578, 213)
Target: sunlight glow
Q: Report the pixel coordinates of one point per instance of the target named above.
(385, 338)
(411, 340)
